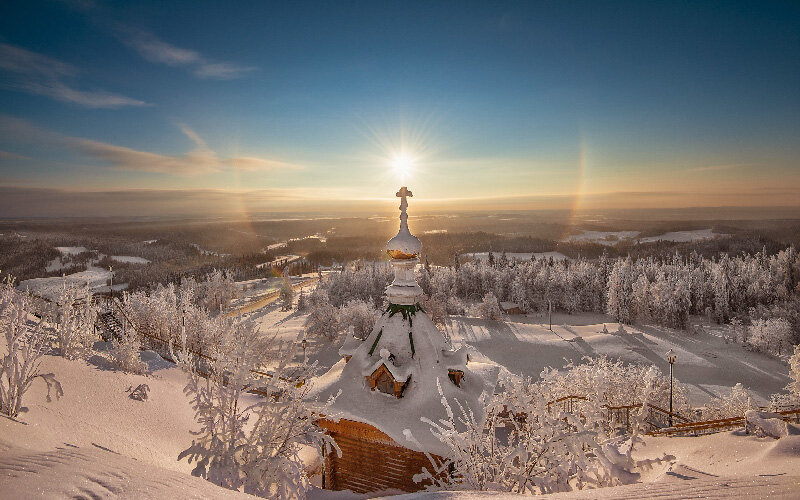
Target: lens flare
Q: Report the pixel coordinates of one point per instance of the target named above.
(402, 167)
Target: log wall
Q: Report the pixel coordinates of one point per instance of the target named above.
(371, 460)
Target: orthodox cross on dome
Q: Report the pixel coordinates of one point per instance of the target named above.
(404, 194)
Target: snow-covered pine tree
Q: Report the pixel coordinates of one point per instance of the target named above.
(286, 294)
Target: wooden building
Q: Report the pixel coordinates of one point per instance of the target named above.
(371, 460)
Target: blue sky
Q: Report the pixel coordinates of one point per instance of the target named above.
(696, 103)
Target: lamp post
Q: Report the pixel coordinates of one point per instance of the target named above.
(304, 343)
(550, 313)
(671, 359)
(111, 270)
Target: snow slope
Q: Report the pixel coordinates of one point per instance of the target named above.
(96, 442)
(705, 363)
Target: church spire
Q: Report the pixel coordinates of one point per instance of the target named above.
(404, 249)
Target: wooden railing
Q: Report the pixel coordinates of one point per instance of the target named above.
(711, 426)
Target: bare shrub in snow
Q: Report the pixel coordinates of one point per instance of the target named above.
(360, 315)
(140, 393)
(734, 404)
(22, 351)
(74, 316)
(125, 354)
(246, 442)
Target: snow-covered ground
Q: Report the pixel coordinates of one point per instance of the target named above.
(96, 442)
(484, 256)
(95, 277)
(705, 363)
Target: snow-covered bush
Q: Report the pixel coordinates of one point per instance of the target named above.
(489, 308)
(125, 354)
(734, 404)
(524, 447)
(771, 335)
(74, 316)
(286, 295)
(610, 383)
(23, 346)
(252, 443)
(323, 320)
(302, 303)
(779, 401)
(360, 315)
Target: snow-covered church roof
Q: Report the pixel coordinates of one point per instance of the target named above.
(416, 354)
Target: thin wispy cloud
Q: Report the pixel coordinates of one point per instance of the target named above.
(715, 168)
(5, 155)
(200, 160)
(34, 73)
(158, 51)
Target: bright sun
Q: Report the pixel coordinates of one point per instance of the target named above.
(402, 165)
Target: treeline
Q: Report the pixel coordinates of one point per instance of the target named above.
(664, 291)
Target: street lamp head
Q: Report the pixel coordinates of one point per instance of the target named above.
(671, 356)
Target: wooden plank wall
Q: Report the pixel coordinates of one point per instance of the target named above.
(371, 460)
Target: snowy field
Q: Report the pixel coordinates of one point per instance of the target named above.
(484, 256)
(95, 277)
(706, 364)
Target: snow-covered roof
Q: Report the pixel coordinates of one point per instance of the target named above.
(508, 305)
(430, 361)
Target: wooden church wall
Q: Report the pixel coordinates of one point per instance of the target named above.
(370, 461)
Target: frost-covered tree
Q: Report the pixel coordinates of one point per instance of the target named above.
(489, 308)
(360, 315)
(525, 447)
(125, 354)
(734, 404)
(74, 315)
(323, 320)
(286, 294)
(246, 443)
(23, 347)
(772, 335)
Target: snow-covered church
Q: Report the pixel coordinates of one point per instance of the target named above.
(390, 380)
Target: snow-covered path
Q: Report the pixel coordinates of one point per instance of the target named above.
(705, 363)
